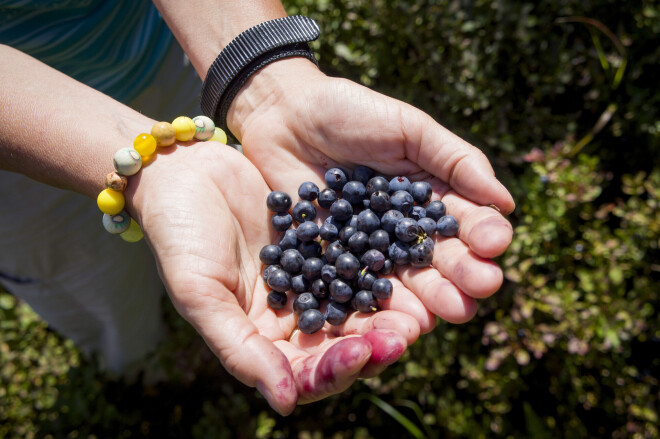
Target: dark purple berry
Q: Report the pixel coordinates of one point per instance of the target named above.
(354, 192)
(328, 273)
(270, 254)
(278, 201)
(304, 211)
(428, 225)
(373, 260)
(310, 249)
(335, 313)
(340, 291)
(341, 210)
(299, 284)
(320, 289)
(268, 270)
(417, 213)
(292, 261)
(380, 201)
(436, 210)
(388, 267)
(307, 231)
(333, 250)
(358, 242)
(400, 183)
(382, 289)
(289, 240)
(311, 268)
(376, 184)
(276, 300)
(368, 221)
(380, 240)
(308, 191)
(310, 321)
(447, 226)
(347, 266)
(365, 301)
(329, 232)
(363, 174)
(305, 301)
(421, 255)
(407, 230)
(401, 201)
(345, 234)
(326, 197)
(399, 252)
(421, 191)
(390, 219)
(335, 179)
(366, 279)
(279, 280)
(281, 221)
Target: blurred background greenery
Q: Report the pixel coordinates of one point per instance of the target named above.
(563, 97)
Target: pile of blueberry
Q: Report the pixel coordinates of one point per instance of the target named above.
(374, 224)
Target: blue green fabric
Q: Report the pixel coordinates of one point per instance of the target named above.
(115, 46)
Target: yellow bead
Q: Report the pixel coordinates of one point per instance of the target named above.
(145, 144)
(164, 133)
(185, 128)
(110, 202)
(133, 233)
(219, 136)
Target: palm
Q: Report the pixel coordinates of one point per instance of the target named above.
(329, 122)
(207, 251)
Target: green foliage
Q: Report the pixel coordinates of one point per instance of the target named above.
(562, 95)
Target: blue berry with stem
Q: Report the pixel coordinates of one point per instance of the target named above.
(303, 211)
(427, 225)
(407, 230)
(366, 279)
(365, 302)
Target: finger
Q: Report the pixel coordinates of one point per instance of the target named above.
(447, 156)
(250, 357)
(484, 229)
(386, 348)
(475, 276)
(329, 372)
(400, 322)
(438, 294)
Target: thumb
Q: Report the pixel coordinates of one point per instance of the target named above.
(464, 167)
(249, 356)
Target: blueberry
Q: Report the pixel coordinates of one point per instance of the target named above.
(447, 226)
(304, 211)
(310, 249)
(270, 254)
(407, 230)
(377, 184)
(400, 183)
(380, 240)
(289, 239)
(380, 201)
(281, 221)
(354, 192)
(329, 232)
(390, 219)
(366, 204)
(311, 268)
(335, 179)
(276, 300)
(399, 252)
(268, 270)
(334, 222)
(308, 191)
(299, 284)
(335, 313)
(388, 267)
(278, 201)
(326, 197)
(347, 266)
(341, 210)
(320, 289)
(436, 210)
(421, 255)
(310, 321)
(305, 301)
(366, 279)
(373, 260)
(428, 225)
(417, 213)
(365, 301)
(333, 250)
(368, 221)
(363, 174)
(307, 231)
(401, 201)
(328, 273)
(421, 191)
(352, 221)
(292, 261)
(382, 289)
(340, 291)
(358, 242)
(279, 280)
(345, 234)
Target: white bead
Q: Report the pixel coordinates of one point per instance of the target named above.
(204, 127)
(127, 161)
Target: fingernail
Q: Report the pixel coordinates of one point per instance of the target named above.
(261, 387)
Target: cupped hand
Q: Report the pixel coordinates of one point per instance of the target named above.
(294, 123)
(202, 206)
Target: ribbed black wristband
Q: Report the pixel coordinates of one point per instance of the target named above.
(248, 52)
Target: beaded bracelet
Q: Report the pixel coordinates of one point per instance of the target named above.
(128, 161)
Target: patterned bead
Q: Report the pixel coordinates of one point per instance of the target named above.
(116, 182)
(127, 161)
(205, 128)
(184, 128)
(219, 136)
(164, 133)
(145, 144)
(110, 202)
(116, 223)
(133, 233)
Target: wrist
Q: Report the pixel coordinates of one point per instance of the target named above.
(268, 89)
